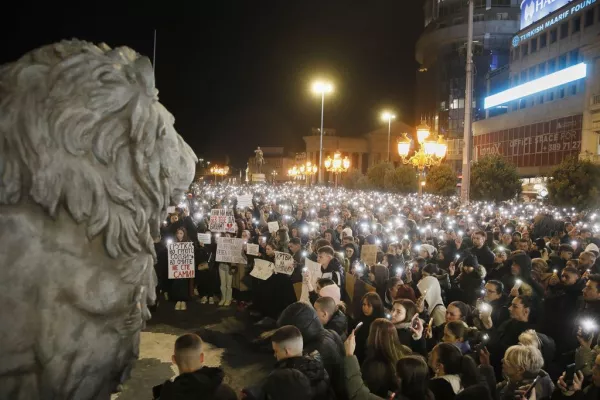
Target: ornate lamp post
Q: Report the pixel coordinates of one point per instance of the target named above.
(337, 165)
(388, 117)
(219, 171)
(430, 153)
(303, 172)
(273, 175)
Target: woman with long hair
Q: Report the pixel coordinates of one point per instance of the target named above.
(383, 352)
(179, 289)
(404, 313)
(371, 309)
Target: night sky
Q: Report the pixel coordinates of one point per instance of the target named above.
(237, 74)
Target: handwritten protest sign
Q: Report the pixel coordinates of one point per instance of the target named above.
(262, 269)
(204, 238)
(171, 210)
(368, 254)
(284, 263)
(252, 249)
(181, 260)
(230, 250)
(313, 269)
(273, 226)
(222, 220)
(244, 201)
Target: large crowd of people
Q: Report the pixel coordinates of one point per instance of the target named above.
(485, 301)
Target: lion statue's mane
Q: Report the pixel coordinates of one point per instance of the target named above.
(89, 163)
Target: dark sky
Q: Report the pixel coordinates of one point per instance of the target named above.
(237, 74)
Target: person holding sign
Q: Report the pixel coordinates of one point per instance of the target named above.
(179, 290)
(330, 266)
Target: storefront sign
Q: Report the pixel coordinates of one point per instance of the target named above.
(534, 10)
(542, 144)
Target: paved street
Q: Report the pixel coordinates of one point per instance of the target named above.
(227, 332)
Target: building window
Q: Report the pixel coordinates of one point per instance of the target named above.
(576, 24)
(551, 66)
(589, 18)
(573, 89)
(502, 16)
(562, 62)
(524, 49)
(534, 45)
(531, 73)
(564, 30)
(543, 40)
(561, 93)
(541, 99)
(553, 36)
(542, 69)
(522, 104)
(551, 96)
(523, 76)
(478, 18)
(574, 57)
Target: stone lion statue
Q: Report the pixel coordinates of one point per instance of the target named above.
(89, 162)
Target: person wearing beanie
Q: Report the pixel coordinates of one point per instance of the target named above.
(467, 283)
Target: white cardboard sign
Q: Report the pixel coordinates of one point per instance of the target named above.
(181, 260)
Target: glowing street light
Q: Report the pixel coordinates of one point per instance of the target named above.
(388, 117)
(321, 87)
(337, 165)
(216, 170)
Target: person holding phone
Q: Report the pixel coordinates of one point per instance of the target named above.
(409, 326)
(571, 384)
(522, 367)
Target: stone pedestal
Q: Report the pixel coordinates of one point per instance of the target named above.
(258, 178)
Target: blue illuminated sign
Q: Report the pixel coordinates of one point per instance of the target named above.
(576, 7)
(534, 10)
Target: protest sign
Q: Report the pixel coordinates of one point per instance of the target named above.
(171, 210)
(222, 220)
(313, 269)
(204, 238)
(244, 201)
(181, 260)
(262, 269)
(230, 250)
(284, 263)
(252, 249)
(273, 226)
(368, 254)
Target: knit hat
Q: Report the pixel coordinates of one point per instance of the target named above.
(429, 248)
(347, 232)
(332, 291)
(593, 248)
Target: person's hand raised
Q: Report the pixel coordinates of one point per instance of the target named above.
(350, 344)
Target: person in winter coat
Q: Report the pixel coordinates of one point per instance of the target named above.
(484, 255)
(412, 375)
(330, 235)
(330, 266)
(195, 381)
(383, 352)
(521, 365)
(288, 348)
(371, 309)
(316, 338)
(467, 286)
(431, 300)
(403, 316)
(453, 371)
(180, 289)
(493, 316)
(576, 390)
(352, 254)
(441, 275)
(331, 313)
(396, 289)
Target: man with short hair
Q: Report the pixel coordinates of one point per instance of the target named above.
(195, 381)
(331, 316)
(295, 247)
(484, 255)
(588, 341)
(587, 259)
(330, 266)
(565, 253)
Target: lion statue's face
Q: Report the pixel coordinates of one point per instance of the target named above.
(89, 162)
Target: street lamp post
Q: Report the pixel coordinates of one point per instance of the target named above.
(337, 165)
(430, 153)
(322, 88)
(303, 172)
(219, 171)
(388, 116)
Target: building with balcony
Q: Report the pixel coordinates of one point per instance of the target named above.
(441, 53)
(547, 105)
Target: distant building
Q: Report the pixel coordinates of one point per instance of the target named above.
(441, 53)
(531, 120)
(277, 163)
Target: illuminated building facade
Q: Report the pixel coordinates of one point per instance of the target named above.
(546, 104)
(441, 53)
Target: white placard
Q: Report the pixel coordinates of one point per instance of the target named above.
(252, 249)
(262, 269)
(230, 250)
(284, 263)
(273, 226)
(171, 210)
(181, 260)
(204, 238)
(222, 220)
(315, 273)
(244, 201)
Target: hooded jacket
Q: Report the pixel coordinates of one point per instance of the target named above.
(433, 297)
(205, 383)
(339, 324)
(316, 338)
(312, 367)
(524, 262)
(335, 272)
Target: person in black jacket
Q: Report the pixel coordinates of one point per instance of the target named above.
(496, 311)
(330, 266)
(484, 255)
(332, 315)
(404, 312)
(315, 337)
(453, 371)
(195, 381)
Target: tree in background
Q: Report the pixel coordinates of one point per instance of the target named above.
(376, 174)
(402, 180)
(495, 179)
(441, 180)
(575, 183)
(351, 179)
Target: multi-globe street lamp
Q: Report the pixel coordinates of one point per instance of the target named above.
(430, 152)
(337, 165)
(304, 171)
(219, 171)
(321, 88)
(388, 117)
